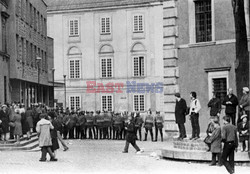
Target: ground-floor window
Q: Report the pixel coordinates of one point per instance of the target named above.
(74, 102)
(107, 103)
(218, 82)
(139, 102)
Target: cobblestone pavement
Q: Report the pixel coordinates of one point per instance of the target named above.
(104, 156)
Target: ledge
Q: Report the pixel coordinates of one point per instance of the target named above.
(217, 69)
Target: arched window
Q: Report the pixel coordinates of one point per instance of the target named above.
(75, 56)
(138, 52)
(106, 54)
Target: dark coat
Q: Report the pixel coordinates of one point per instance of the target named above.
(216, 141)
(25, 124)
(180, 111)
(4, 117)
(215, 106)
(131, 136)
(230, 108)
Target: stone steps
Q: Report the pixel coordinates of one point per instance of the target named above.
(24, 144)
(195, 150)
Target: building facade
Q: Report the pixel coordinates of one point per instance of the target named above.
(206, 50)
(185, 45)
(4, 56)
(26, 69)
(117, 44)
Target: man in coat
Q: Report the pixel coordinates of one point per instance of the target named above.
(180, 115)
(131, 136)
(231, 102)
(43, 130)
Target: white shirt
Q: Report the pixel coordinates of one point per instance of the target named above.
(195, 106)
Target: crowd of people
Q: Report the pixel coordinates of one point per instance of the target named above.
(222, 140)
(53, 125)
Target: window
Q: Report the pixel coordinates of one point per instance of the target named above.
(74, 27)
(4, 35)
(106, 25)
(139, 103)
(139, 66)
(138, 23)
(74, 102)
(74, 69)
(5, 89)
(203, 21)
(106, 66)
(107, 103)
(220, 87)
(218, 82)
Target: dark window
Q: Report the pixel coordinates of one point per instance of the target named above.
(220, 87)
(5, 89)
(4, 35)
(203, 21)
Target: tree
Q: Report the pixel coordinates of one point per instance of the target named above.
(242, 54)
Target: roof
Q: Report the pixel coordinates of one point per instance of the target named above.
(57, 5)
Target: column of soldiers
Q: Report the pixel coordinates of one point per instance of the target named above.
(107, 125)
(88, 125)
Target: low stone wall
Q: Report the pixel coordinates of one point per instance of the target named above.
(187, 144)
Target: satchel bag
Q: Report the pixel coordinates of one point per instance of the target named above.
(12, 124)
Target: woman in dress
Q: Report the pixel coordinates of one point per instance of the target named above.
(29, 119)
(18, 125)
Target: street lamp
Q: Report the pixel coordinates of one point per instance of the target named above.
(64, 78)
(53, 80)
(38, 59)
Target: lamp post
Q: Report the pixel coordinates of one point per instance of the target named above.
(64, 78)
(53, 81)
(38, 76)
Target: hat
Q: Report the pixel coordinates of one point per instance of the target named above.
(246, 89)
(243, 116)
(177, 94)
(4, 105)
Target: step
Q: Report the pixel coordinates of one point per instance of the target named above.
(29, 146)
(22, 142)
(11, 141)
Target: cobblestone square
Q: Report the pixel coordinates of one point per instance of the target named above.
(104, 156)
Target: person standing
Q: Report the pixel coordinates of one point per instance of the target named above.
(44, 138)
(230, 140)
(158, 125)
(215, 105)
(245, 102)
(4, 123)
(138, 124)
(195, 107)
(18, 125)
(231, 102)
(216, 143)
(131, 136)
(148, 125)
(180, 115)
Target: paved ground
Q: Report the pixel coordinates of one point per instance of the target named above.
(103, 156)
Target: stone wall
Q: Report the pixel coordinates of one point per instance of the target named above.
(171, 71)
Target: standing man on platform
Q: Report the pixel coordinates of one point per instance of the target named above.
(180, 115)
(231, 102)
(230, 140)
(195, 107)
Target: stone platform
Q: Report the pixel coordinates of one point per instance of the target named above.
(195, 150)
(24, 144)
